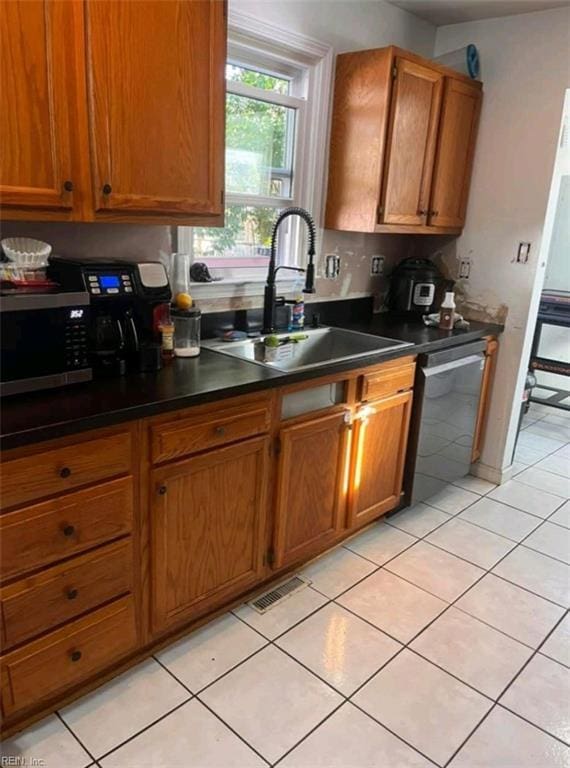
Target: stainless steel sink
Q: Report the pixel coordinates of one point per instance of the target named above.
(314, 347)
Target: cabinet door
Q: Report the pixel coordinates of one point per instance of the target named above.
(412, 134)
(37, 71)
(310, 487)
(454, 159)
(379, 451)
(207, 530)
(156, 79)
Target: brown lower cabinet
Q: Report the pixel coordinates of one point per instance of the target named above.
(311, 493)
(158, 523)
(207, 527)
(378, 456)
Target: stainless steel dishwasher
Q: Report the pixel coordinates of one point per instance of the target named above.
(446, 399)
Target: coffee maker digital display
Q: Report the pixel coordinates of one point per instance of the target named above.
(123, 298)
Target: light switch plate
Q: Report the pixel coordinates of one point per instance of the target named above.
(523, 252)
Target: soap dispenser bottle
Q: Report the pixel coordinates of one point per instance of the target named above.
(298, 308)
(447, 312)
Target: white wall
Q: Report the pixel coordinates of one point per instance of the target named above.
(525, 70)
(346, 25)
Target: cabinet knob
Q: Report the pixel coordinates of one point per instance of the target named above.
(68, 186)
(434, 213)
(422, 212)
(220, 431)
(107, 189)
(71, 593)
(64, 472)
(75, 655)
(162, 490)
(68, 530)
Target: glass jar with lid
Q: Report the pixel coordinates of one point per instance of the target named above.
(186, 332)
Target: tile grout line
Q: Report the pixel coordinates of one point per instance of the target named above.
(72, 732)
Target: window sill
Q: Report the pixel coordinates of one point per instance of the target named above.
(236, 287)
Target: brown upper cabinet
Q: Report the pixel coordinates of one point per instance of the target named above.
(402, 143)
(114, 110)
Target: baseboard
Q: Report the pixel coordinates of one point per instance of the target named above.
(492, 474)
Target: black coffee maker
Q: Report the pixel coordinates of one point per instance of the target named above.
(123, 297)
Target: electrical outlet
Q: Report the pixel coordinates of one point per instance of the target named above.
(376, 266)
(464, 268)
(523, 252)
(332, 266)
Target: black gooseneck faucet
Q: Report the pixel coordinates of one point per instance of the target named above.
(270, 295)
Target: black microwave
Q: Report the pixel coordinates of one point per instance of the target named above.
(43, 340)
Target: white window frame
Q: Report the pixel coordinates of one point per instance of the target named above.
(308, 63)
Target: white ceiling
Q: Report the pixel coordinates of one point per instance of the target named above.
(441, 12)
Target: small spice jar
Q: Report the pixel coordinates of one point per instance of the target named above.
(186, 332)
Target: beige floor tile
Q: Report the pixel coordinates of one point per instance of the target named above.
(541, 574)
(339, 647)
(539, 442)
(526, 498)
(452, 499)
(283, 616)
(47, 744)
(551, 431)
(559, 465)
(557, 646)
(479, 546)
(271, 701)
(351, 739)
(552, 540)
(190, 737)
(423, 705)
(418, 520)
(501, 519)
(435, 570)
(540, 694)
(337, 571)
(505, 741)
(525, 454)
(472, 651)
(516, 612)
(545, 481)
(113, 713)
(475, 484)
(380, 543)
(561, 516)
(392, 604)
(203, 656)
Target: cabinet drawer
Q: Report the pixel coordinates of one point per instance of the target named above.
(388, 381)
(208, 430)
(59, 594)
(67, 656)
(45, 533)
(62, 469)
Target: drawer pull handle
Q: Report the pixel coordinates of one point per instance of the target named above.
(68, 186)
(64, 472)
(220, 431)
(75, 655)
(68, 530)
(72, 593)
(107, 189)
(162, 490)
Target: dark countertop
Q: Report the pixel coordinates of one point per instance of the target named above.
(30, 418)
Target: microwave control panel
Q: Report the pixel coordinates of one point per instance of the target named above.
(75, 337)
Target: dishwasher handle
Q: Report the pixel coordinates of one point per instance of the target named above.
(454, 364)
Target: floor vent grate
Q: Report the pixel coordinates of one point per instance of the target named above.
(268, 600)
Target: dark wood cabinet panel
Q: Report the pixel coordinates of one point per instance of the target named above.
(412, 135)
(310, 504)
(207, 529)
(39, 126)
(379, 451)
(454, 159)
(156, 105)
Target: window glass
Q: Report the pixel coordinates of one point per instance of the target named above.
(238, 74)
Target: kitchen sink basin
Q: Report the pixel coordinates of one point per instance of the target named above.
(307, 349)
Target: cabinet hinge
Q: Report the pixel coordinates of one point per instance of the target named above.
(270, 557)
(277, 446)
(394, 71)
(380, 211)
